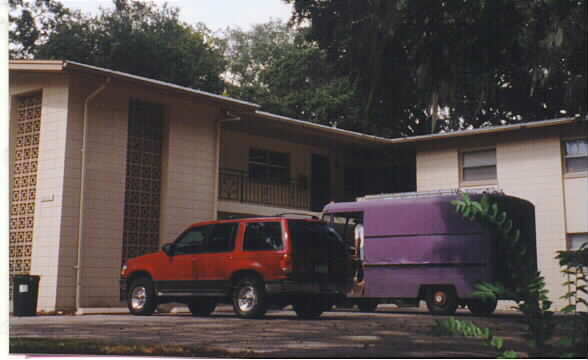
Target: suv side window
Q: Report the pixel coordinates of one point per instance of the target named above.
(263, 236)
(192, 241)
(222, 237)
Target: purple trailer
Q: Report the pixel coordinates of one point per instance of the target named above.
(413, 247)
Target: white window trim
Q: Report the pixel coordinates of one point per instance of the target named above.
(571, 174)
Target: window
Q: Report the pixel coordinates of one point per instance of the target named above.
(479, 166)
(263, 236)
(576, 155)
(576, 240)
(347, 225)
(268, 165)
(222, 237)
(192, 241)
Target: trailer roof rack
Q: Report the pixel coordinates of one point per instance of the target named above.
(424, 194)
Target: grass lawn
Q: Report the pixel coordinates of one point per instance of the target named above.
(88, 347)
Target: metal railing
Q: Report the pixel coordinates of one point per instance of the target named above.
(236, 185)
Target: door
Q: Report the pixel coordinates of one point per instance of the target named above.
(320, 187)
(215, 276)
(184, 268)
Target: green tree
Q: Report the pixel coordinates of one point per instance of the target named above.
(273, 65)
(455, 63)
(31, 22)
(139, 38)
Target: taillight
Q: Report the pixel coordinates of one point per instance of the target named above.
(286, 264)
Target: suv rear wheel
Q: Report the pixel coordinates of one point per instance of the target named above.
(309, 308)
(249, 298)
(141, 298)
(367, 305)
(202, 306)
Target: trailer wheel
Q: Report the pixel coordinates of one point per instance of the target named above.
(442, 301)
(482, 307)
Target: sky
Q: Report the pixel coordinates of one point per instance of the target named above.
(215, 14)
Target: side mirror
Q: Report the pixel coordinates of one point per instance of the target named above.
(168, 249)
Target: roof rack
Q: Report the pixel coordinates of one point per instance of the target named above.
(233, 217)
(297, 214)
(425, 194)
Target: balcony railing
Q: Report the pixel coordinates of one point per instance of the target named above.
(236, 185)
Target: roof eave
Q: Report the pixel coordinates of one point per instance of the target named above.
(36, 65)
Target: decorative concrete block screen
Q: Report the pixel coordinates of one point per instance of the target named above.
(143, 179)
(26, 153)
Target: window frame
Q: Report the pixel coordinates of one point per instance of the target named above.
(462, 181)
(571, 174)
(268, 164)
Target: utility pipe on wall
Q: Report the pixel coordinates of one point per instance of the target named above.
(78, 266)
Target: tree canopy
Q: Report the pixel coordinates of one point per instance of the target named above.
(136, 37)
(388, 67)
(462, 62)
(274, 65)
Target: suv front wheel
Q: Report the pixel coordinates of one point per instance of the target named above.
(141, 297)
(249, 298)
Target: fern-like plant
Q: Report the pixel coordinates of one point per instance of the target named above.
(529, 291)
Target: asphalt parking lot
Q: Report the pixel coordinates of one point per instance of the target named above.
(390, 332)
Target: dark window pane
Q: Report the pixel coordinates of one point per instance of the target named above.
(192, 241)
(479, 158)
(279, 159)
(577, 164)
(222, 237)
(263, 236)
(256, 155)
(479, 173)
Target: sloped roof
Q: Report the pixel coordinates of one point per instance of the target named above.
(252, 109)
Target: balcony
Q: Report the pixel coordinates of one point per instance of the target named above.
(236, 185)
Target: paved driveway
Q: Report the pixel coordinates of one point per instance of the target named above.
(387, 333)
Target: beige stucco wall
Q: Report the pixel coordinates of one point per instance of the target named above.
(576, 204)
(188, 170)
(46, 253)
(531, 169)
(188, 178)
(529, 166)
(437, 168)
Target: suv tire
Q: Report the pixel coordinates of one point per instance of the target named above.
(141, 298)
(249, 298)
(308, 308)
(202, 306)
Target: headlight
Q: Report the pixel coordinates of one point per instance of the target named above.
(123, 270)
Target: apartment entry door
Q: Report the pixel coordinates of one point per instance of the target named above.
(320, 186)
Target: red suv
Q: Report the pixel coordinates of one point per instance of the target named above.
(254, 263)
